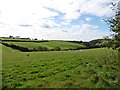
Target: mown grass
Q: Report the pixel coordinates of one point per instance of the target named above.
(94, 68)
(50, 45)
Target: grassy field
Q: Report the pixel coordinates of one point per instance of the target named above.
(0, 66)
(49, 45)
(92, 68)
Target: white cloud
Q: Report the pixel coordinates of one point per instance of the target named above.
(97, 7)
(78, 32)
(48, 23)
(88, 19)
(17, 11)
(14, 11)
(35, 13)
(72, 16)
(73, 9)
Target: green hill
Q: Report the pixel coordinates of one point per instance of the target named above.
(64, 45)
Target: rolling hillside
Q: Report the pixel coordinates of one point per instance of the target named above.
(48, 44)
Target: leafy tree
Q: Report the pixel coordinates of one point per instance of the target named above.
(114, 23)
(11, 36)
(35, 39)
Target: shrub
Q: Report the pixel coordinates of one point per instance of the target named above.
(42, 48)
(39, 48)
(57, 48)
(45, 49)
(16, 47)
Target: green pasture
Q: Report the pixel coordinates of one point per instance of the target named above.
(0, 66)
(50, 45)
(93, 68)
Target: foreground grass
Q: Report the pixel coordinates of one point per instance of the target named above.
(93, 68)
(0, 66)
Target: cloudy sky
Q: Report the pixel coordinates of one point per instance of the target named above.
(55, 19)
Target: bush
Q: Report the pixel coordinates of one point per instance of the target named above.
(25, 49)
(57, 48)
(39, 48)
(42, 48)
(45, 49)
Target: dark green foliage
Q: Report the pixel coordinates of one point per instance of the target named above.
(57, 48)
(114, 23)
(96, 43)
(25, 49)
(42, 48)
(35, 39)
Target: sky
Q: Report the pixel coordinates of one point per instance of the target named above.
(55, 19)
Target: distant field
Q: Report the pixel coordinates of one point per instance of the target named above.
(49, 44)
(92, 68)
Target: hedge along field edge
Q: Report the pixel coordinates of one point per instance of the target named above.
(0, 66)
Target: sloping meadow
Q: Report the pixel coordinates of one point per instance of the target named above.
(94, 68)
(43, 45)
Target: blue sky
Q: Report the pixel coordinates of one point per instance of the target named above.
(55, 19)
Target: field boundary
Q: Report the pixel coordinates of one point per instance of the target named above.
(26, 49)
